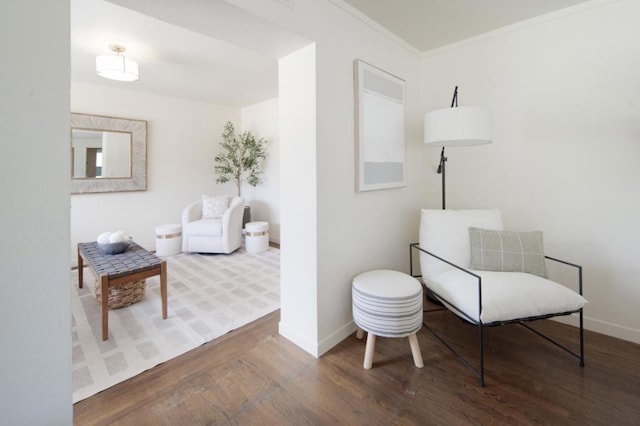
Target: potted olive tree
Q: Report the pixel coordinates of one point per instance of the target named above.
(240, 160)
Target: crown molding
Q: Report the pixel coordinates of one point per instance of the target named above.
(547, 17)
(375, 26)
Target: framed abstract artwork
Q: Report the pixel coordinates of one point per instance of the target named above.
(380, 128)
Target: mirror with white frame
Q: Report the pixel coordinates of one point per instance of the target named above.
(108, 154)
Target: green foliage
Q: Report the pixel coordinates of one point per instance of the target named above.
(240, 159)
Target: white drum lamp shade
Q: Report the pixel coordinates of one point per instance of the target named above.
(459, 126)
(456, 126)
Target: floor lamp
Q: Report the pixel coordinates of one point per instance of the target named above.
(456, 126)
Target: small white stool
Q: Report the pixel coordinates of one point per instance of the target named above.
(168, 239)
(256, 237)
(387, 304)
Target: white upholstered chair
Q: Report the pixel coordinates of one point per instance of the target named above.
(488, 276)
(212, 235)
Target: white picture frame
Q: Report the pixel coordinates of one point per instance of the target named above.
(380, 130)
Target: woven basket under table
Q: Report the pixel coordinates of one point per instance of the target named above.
(121, 295)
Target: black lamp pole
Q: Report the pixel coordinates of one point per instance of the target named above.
(443, 159)
(441, 171)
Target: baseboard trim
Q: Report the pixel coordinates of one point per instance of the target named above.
(602, 327)
(297, 339)
(336, 337)
(320, 348)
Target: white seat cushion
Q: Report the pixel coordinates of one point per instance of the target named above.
(505, 295)
(208, 227)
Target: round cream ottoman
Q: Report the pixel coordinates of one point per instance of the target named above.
(168, 239)
(256, 237)
(387, 304)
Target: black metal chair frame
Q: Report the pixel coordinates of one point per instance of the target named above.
(478, 323)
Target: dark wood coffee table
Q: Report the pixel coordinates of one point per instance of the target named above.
(135, 263)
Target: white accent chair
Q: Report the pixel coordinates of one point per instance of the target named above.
(457, 272)
(212, 235)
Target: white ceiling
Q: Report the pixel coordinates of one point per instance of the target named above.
(199, 64)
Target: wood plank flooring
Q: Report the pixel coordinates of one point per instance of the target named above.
(255, 376)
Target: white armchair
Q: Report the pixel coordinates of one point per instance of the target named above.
(488, 276)
(223, 235)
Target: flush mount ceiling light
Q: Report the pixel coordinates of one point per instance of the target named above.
(117, 67)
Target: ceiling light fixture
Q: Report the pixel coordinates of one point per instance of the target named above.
(117, 67)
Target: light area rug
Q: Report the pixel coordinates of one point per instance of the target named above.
(208, 296)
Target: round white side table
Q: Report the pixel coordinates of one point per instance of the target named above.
(168, 239)
(256, 237)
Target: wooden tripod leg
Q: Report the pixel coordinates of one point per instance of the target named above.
(415, 350)
(368, 352)
(359, 333)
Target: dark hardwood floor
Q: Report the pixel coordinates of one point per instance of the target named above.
(255, 376)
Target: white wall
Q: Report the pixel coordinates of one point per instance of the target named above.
(262, 121)
(299, 253)
(182, 140)
(358, 231)
(354, 231)
(35, 303)
(563, 93)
